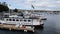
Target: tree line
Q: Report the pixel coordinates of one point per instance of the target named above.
(3, 6)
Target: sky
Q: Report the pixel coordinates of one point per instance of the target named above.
(38, 4)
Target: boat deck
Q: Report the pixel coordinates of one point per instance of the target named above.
(13, 27)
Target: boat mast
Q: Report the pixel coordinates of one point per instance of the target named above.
(33, 8)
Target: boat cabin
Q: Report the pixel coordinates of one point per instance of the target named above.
(22, 21)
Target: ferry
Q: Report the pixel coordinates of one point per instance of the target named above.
(25, 22)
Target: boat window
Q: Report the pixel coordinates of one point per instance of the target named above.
(29, 20)
(6, 19)
(25, 20)
(10, 20)
(21, 20)
(13, 19)
(17, 20)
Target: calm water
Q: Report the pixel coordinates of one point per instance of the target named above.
(51, 26)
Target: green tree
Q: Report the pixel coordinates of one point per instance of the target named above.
(3, 8)
(15, 10)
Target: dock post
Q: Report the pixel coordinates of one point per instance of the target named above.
(10, 29)
(33, 30)
(25, 30)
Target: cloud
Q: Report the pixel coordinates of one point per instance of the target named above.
(48, 3)
(58, 1)
(29, 0)
(45, 4)
(38, 4)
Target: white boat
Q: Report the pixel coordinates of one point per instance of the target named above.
(27, 21)
(14, 19)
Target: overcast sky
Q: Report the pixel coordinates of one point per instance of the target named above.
(38, 4)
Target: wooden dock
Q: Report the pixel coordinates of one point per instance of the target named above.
(13, 27)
